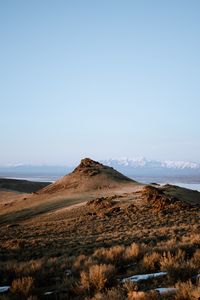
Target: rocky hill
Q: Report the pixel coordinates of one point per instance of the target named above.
(88, 176)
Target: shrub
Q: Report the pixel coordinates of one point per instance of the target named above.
(132, 251)
(187, 291)
(117, 254)
(83, 263)
(79, 261)
(151, 295)
(113, 294)
(176, 265)
(130, 286)
(114, 254)
(20, 269)
(97, 277)
(22, 286)
(170, 260)
(196, 258)
(151, 262)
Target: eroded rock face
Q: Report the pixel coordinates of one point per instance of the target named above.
(101, 203)
(161, 201)
(88, 163)
(89, 167)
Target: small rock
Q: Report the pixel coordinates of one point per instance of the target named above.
(68, 272)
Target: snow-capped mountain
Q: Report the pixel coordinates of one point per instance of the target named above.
(129, 163)
(180, 164)
(145, 163)
(146, 167)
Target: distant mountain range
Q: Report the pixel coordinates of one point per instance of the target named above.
(130, 167)
(145, 163)
(143, 166)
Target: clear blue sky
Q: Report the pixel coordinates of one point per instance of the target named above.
(99, 79)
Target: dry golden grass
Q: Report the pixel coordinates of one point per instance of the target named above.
(177, 265)
(97, 277)
(187, 291)
(93, 279)
(111, 294)
(132, 252)
(151, 295)
(22, 287)
(151, 262)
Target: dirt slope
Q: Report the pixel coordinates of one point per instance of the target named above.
(89, 176)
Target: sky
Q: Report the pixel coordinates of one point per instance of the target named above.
(100, 79)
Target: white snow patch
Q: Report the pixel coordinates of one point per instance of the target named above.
(137, 278)
(4, 289)
(166, 291)
(48, 293)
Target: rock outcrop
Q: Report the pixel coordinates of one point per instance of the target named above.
(90, 175)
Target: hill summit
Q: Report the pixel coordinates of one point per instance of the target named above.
(89, 167)
(89, 175)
